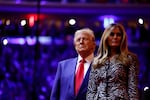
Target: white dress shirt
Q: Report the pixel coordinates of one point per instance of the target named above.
(88, 60)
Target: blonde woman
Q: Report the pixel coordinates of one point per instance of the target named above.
(114, 73)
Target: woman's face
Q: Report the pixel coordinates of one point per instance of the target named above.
(114, 39)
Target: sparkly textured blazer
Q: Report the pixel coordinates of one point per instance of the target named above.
(114, 81)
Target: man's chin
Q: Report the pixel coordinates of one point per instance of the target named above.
(82, 50)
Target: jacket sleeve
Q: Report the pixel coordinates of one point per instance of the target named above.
(133, 78)
(55, 93)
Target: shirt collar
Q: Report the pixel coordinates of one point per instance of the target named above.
(88, 59)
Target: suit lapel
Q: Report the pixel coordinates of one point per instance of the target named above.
(85, 81)
(84, 85)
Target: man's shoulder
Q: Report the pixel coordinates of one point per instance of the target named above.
(68, 60)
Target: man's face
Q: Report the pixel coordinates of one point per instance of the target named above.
(84, 44)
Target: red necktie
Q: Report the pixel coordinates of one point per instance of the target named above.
(79, 76)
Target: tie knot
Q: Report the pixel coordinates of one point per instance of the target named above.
(82, 61)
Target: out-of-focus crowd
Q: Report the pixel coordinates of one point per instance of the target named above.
(27, 71)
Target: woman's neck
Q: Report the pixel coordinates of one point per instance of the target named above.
(113, 51)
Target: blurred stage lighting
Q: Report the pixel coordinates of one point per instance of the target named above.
(140, 21)
(72, 21)
(20, 41)
(107, 19)
(8, 22)
(23, 22)
(31, 40)
(146, 88)
(45, 40)
(5, 41)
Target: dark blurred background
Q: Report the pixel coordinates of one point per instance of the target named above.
(36, 34)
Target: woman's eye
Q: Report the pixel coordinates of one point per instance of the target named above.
(118, 34)
(112, 34)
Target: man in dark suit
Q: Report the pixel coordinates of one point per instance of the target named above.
(64, 84)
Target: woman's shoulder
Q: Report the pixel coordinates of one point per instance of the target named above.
(132, 55)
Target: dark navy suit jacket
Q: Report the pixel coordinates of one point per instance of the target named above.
(63, 88)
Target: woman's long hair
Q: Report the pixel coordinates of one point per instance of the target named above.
(103, 49)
